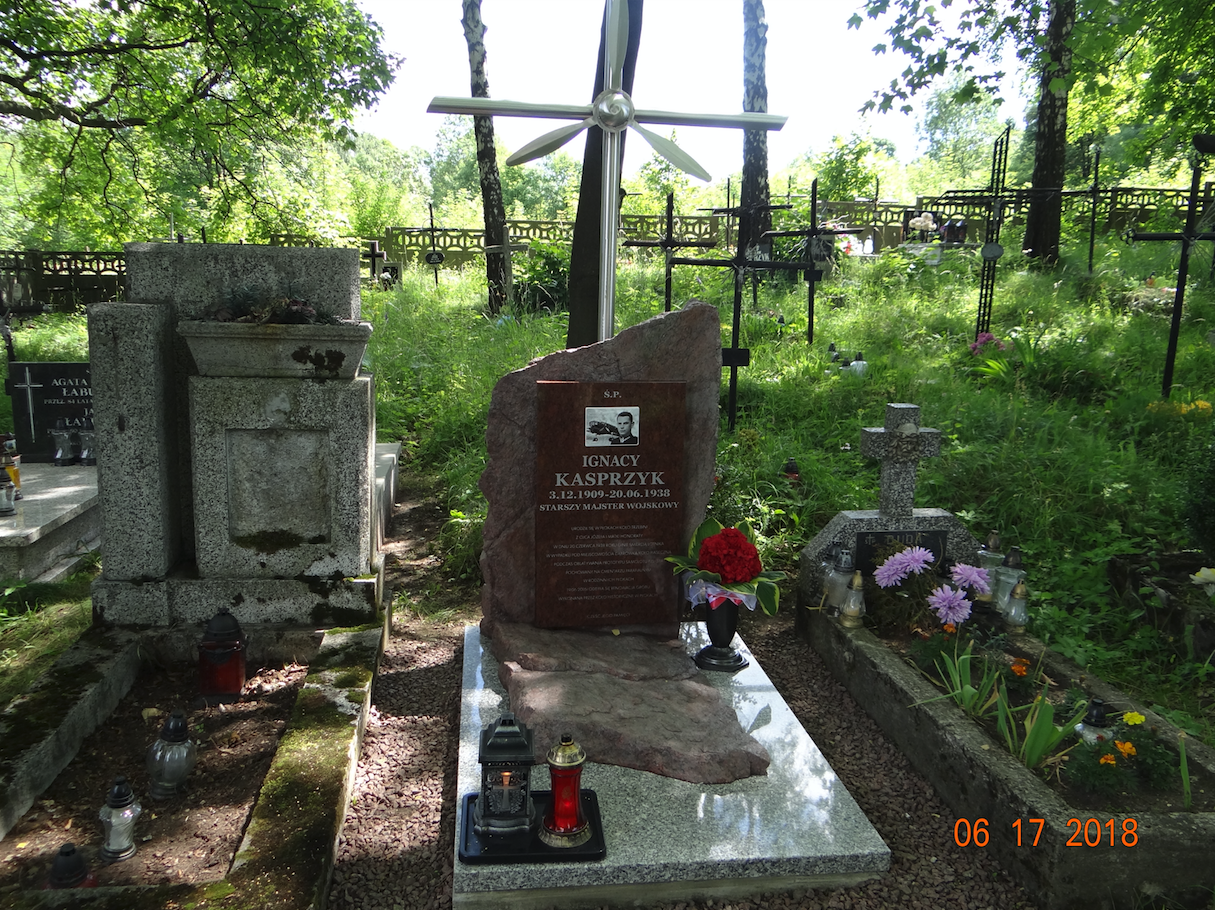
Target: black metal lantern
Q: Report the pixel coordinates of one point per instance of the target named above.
(69, 870)
(504, 808)
(221, 658)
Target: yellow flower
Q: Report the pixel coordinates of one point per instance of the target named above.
(1108, 760)
(1131, 718)
(1127, 749)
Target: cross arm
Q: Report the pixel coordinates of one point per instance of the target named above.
(489, 107)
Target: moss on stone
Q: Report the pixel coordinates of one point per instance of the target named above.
(294, 823)
(273, 541)
(29, 717)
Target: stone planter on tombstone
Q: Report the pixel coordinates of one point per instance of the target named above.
(276, 351)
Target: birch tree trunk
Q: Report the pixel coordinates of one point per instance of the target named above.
(584, 252)
(487, 163)
(1050, 139)
(755, 220)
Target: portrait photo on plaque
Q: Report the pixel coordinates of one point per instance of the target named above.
(613, 426)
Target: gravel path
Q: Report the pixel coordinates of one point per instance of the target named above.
(396, 850)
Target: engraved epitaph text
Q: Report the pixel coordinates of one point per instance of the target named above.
(609, 502)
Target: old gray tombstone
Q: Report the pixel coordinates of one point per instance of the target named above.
(898, 445)
(254, 492)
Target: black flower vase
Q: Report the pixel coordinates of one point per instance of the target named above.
(721, 624)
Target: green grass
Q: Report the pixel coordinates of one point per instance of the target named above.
(37, 623)
(1061, 444)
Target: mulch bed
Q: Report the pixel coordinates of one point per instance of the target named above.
(190, 839)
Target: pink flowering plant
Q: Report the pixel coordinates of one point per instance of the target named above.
(982, 341)
(950, 602)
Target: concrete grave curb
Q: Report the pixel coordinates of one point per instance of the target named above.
(976, 777)
(290, 844)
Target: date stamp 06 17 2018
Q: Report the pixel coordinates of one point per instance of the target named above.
(1089, 832)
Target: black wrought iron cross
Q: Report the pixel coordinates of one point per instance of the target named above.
(1204, 144)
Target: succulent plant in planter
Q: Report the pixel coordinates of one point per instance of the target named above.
(245, 306)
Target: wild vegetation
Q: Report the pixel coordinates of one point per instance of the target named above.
(1060, 442)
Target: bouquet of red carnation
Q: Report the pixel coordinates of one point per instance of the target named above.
(722, 564)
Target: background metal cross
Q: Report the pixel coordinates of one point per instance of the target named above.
(613, 112)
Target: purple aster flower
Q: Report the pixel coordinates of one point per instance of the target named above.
(918, 559)
(890, 573)
(965, 576)
(911, 561)
(950, 605)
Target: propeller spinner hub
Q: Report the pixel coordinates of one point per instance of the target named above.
(612, 111)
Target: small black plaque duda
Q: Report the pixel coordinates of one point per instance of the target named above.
(434, 257)
(991, 251)
(871, 546)
(477, 850)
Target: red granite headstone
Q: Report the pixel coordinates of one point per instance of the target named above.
(609, 502)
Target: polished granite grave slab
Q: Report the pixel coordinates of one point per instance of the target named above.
(796, 827)
(56, 519)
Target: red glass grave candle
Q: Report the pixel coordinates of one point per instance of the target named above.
(565, 823)
(221, 658)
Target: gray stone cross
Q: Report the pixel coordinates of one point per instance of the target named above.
(899, 446)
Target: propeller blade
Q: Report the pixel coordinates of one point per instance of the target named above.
(549, 142)
(617, 43)
(673, 153)
(737, 121)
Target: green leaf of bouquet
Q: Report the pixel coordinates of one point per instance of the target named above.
(769, 597)
(702, 575)
(747, 531)
(708, 528)
(682, 563)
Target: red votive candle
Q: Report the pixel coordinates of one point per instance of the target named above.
(565, 823)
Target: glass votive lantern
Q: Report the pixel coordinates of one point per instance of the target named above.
(1006, 577)
(61, 436)
(118, 817)
(839, 578)
(504, 807)
(8, 496)
(221, 658)
(565, 822)
(88, 445)
(990, 558)
(171, 758)
(852, 613)
(1016, 615)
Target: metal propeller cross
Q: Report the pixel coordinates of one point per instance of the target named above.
(613, 112)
